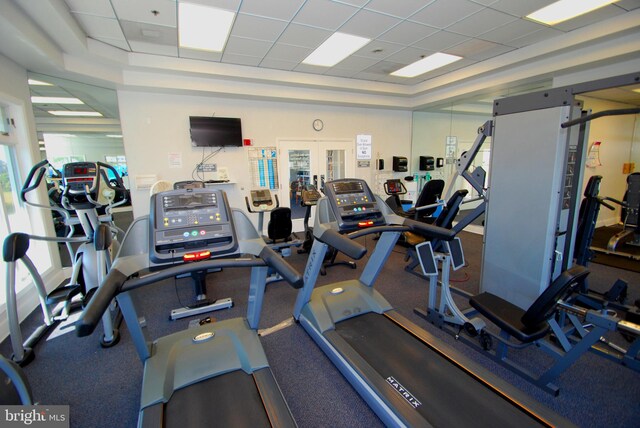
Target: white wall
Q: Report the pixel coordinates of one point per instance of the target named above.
(154, 125)
(616, 134)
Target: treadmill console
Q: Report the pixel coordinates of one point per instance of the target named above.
(190, 224)
(353, 204)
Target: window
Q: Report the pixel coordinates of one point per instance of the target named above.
(14, 216)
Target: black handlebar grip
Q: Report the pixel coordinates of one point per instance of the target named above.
(343, 244)
(275, 260)
(100, 302)
(430, 230)
(119, 183)
(26, 188)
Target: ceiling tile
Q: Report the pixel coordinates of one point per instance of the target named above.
(118, 43)
(241, 59)
(302, 35)
(538, 36)
(290, 53)
(153, 48)
(520, 8)
(442, 13)
(479, 50)
(378, 50)
(485, 2)
(140, 11)
(440, 41)
(306, 68)
(338, 72)
(278, 9)
(384, 67)
(255, 27)
(247, 47)
(407, 33)
(232, 5)
(369, 24)
(278, 64)
(98, 27)
(202, 55)
(356, 3)
(511, 31)
(409, 55)
(356, 63)
(628, 4)
(324, 14)
(150, 33)
(92, 7)
(400, 9)
(481, 22)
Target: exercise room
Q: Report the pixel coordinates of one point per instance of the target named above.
(320, 213)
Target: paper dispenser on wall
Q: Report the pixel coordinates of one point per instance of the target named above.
(427, 163)
(400, 164)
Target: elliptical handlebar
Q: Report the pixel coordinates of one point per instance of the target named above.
(38, 170)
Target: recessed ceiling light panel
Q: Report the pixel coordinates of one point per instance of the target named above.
(424, 65)
(563, 10)
(335, 49)
(75, 113)
(202, 27)
(55, 100)
(35, 82)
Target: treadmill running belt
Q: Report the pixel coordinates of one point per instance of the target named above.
(449, 397)
(229, 400)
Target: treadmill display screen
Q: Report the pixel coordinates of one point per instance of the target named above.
(188, 220)
(353, 204)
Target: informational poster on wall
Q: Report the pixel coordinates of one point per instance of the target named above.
(451, 150)
(175, 160)
(363, 146)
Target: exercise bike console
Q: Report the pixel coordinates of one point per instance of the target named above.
(188, 220)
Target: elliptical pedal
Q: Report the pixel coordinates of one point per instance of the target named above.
(63, 294)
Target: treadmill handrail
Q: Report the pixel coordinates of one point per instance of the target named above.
(342, 243)
(116, 282)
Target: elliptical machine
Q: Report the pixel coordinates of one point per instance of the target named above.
(82, 194)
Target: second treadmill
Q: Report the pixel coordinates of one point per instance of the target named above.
(407, 376)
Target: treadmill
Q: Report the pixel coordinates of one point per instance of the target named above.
(215, 373)
(407, 376)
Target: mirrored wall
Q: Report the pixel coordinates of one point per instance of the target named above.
(77, 121)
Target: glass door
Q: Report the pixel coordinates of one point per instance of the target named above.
(306, 163)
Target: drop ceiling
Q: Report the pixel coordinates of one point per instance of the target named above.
(279, 34)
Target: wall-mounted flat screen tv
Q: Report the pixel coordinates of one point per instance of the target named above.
(215, 131)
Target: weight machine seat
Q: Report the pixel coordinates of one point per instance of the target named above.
(630, 212)
(280, 225)
(429, 195)
(530, 325)
(445, 218)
